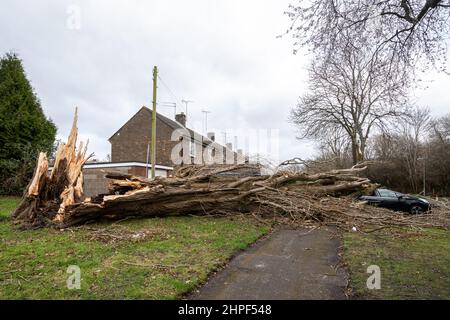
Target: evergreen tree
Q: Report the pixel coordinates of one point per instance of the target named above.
(24, 129)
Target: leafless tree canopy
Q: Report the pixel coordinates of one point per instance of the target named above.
(407, 31)
(351, 93)
(412, 155)
(404, 150)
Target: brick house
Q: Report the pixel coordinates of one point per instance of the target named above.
(132, 141)
(130, 149)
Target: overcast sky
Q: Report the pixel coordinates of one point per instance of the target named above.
(224, 55)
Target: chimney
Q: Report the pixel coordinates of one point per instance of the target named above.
(229, 145)
(181, 118)
(240, 158)
(211, 136)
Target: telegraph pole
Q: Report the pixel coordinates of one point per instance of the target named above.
(153, 146)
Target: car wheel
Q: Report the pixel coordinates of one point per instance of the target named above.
(415, 209)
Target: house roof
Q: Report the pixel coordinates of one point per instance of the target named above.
(171, 123)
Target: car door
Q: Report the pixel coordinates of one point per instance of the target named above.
(374, 199)
(388, 199)
(403, 202)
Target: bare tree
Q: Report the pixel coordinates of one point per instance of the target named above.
(407, 31)
(441, 129)
(350, 92)
(438, 160)
(410, 145)
(335, 149)
(414, 155)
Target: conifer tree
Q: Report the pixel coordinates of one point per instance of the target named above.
(24, 129)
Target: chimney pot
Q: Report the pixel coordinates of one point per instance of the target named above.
(211, 136)
(181, 119)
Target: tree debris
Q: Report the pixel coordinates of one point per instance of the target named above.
(56, 199)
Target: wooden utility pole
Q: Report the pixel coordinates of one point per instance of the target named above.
(153, 142)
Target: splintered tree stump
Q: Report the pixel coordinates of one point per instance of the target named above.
(48, 194)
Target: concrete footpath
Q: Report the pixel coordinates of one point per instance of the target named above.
(288, 264)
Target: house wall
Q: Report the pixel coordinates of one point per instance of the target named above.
(130, 143)
(96, 183)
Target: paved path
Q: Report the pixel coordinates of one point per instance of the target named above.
(289, 264)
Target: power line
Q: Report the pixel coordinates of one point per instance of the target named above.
(170, 105)
(183, 101)
(169, 90)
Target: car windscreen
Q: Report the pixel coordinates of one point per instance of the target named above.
(387, 193)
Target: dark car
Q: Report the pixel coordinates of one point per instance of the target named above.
(397, 201)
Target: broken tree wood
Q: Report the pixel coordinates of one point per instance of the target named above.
(49, 194)
(56, 198)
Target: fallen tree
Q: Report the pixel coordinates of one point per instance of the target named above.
(55, 198)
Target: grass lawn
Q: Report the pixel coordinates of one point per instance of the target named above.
(160, 258)
(414, 264)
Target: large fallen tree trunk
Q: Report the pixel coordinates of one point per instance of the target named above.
(56, 198)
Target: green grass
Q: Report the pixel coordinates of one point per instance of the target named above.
(414, 264)
(7, 205)
(160, 258)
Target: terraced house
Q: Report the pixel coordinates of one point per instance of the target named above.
(176, 145)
